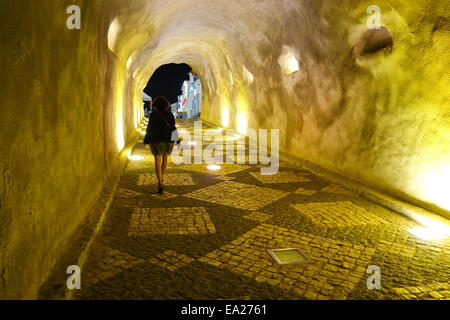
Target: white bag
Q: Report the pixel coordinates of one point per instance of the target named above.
(175, 136)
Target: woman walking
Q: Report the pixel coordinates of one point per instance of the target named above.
(161, 124)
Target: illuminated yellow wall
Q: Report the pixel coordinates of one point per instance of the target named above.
(69, 98)
(62, 94)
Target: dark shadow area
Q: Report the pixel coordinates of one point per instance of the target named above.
(374, 41)
(167, 81)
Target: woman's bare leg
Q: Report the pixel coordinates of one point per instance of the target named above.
(158, 169)
(165, 161)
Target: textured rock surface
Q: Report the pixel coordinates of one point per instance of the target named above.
(68, 100)
(380, 118)
(58, 141)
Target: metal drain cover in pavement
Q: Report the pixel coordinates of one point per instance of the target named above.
(289, 256)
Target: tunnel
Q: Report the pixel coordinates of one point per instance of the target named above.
(352, 96)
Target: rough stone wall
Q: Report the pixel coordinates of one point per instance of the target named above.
(57, 143)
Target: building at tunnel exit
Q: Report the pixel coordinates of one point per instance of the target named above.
(189, 103)
(359, 90)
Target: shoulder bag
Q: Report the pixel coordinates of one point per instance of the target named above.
(174, 134)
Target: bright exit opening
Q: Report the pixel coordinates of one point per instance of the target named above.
(180, 85)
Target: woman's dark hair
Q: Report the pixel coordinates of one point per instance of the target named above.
(161, 103)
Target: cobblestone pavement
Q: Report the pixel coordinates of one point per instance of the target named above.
(208, 237)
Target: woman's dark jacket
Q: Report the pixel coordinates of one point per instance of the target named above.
(157, 129)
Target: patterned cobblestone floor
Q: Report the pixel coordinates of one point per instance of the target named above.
(170, 221)
(238, 195)
(281, 177)
(208, 237)
(338, 214)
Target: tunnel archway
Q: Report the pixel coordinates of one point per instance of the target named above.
(167, 81)
(181, 86)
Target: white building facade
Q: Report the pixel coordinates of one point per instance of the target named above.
(189, 103)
